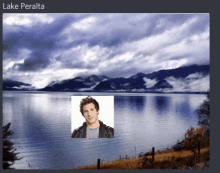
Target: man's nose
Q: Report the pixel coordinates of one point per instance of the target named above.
(89, 113)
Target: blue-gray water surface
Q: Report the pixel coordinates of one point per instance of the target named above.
(41, 122)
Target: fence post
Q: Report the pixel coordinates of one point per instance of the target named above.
(135, 151)
(153, 154)
(98, 164)
(199, 147)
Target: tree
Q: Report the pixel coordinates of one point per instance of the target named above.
(192, 137)
(9, 155)
(204, 113)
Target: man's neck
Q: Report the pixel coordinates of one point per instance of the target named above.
(94, 125)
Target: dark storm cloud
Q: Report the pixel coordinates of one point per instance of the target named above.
(36, 61)
(40, 39)
(78, 65)
(36, 37)
(39, 45)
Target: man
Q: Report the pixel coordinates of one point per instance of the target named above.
(93, 127)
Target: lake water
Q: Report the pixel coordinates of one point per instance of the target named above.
(42, 122)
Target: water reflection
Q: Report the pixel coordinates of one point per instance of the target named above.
(183, 108)
(137, 103)
(162, 103)
(41, 122)
(134, 104)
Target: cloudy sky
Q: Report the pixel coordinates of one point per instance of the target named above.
(40, 48)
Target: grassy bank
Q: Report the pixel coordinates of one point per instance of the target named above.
(193, 152)
(185, 159)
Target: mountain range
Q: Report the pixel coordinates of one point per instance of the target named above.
(192, 78)
(16, 85)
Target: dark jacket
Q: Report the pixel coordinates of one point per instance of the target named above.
(104, 131)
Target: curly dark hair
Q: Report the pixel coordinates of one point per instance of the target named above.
(86, 101)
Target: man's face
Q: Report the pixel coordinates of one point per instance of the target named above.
(90, 113)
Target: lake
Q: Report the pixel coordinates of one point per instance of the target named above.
(41, 122)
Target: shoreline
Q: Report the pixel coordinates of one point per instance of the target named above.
(161, 159)
(113, 92)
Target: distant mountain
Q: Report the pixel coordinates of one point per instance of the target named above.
(16, 85)
(182, 79)
(76, 84)
(181, 72)
(162, 84)
(193, 78)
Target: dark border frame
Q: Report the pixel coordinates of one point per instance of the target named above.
(146, 6)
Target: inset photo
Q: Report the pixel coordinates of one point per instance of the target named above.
(92, 117)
